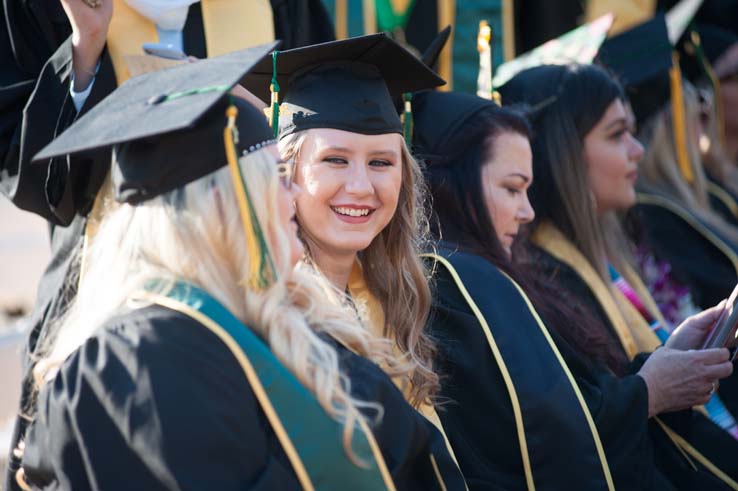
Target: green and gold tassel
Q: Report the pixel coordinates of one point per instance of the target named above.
(407, 118)
(261, 268)
(274, 90)
(714, 81)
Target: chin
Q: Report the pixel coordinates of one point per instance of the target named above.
(628, 202)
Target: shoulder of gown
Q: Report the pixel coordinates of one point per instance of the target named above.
(619, 406)
(35, 105)
(153, 401)
(413, 449)
(694, 259)
(473, 414)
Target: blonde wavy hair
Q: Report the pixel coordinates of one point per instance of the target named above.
(195, 234)
(396, 276)
(659, 171)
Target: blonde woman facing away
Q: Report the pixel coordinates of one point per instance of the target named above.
(194, 356)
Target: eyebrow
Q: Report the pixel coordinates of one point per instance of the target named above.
(390, 153)
(620, 121)
(522, 176)
(334, 148)
(337, 149)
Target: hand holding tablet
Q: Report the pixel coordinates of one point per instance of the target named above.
(723, 333)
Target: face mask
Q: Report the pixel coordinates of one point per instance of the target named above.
(167, 14)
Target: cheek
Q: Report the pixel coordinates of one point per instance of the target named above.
(387, 186)
(608, 177)
(501, 208)
(608, 164)
(318, 186)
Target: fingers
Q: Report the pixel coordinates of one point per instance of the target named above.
(705, 319)
(711, 356)
(718, 371)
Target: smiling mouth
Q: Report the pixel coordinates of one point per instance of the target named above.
(352, 212)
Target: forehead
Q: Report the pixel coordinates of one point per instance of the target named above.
(616, 110)
(511, 153)
(319, 139)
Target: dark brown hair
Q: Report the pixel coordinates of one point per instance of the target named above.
(460, 217)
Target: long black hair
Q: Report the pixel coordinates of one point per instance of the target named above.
(460, 218)
(566, 103)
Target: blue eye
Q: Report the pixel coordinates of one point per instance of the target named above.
(380, 163)
(335, 160)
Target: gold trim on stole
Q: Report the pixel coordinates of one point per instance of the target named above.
(261, 395)
(508, 29)
(254, 24)
(369, 14)
(229, 25)
(550, 239)
(369, 305)
(251, 376)
(633, 332)
(724, 197)
(341, 24)
(508, 379)
(652, 199)
(698, 456)
(446, 16)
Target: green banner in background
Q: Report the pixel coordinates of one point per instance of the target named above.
(468, 13)
(392, 14)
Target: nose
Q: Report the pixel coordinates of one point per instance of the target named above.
(526, 213)
(635, 151)
(358, 181)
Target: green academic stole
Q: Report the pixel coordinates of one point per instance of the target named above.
(554, 435)
(310, 437)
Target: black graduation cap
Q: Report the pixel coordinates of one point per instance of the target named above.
(347, 84)
(702, 45)
(433, 51)
(440, 118)
(166, 128)
(641, 59)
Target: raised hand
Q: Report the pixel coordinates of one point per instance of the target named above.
(89, 31)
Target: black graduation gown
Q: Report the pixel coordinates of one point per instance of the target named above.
(154, 400)
(478, 417)
(722, 200)
(697, 429)
(695, 260)
(35, 107)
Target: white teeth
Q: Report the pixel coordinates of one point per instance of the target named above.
(352, 212)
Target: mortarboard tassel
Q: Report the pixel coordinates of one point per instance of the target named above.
(496, 97)
(485, 46)
(716, 88)
(261, 270)
(484, 79)
(407, 118)
(679, 123)
(274, 89)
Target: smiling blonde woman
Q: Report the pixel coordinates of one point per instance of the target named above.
(362, 213)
